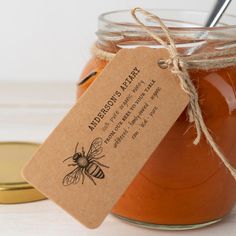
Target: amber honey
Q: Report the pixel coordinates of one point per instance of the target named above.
(183, 184)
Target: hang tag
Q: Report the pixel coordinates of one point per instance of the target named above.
(100, 146)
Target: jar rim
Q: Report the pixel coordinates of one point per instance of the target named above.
(103, 19)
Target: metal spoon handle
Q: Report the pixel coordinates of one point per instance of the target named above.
(217, 12)
(213, 19)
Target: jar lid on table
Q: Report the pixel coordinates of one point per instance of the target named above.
(13, 188)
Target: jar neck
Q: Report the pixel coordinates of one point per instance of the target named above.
(118, 30)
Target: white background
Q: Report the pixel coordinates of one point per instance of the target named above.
(50, 39)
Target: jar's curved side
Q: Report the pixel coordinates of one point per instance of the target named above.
(190, 166)
(189, 186)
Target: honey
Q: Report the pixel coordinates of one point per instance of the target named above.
(184, 184)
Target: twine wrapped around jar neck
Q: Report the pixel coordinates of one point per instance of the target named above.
(202, 61)
(179, 65)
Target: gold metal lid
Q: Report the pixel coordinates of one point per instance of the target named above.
(13, 188)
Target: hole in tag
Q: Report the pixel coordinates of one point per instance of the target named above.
(162, 64)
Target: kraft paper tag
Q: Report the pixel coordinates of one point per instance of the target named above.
(99, 147)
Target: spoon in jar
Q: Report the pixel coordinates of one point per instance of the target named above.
(216, 14)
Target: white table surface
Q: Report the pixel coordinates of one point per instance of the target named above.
(29, 112)
(46, 218)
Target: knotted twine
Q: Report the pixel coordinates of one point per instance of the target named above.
(179, 65)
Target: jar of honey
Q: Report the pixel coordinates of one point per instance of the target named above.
(182, 185)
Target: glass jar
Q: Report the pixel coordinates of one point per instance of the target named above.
(181, 186)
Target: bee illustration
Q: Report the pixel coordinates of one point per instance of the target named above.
(87, 164)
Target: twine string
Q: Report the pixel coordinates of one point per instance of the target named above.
(179, 65)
